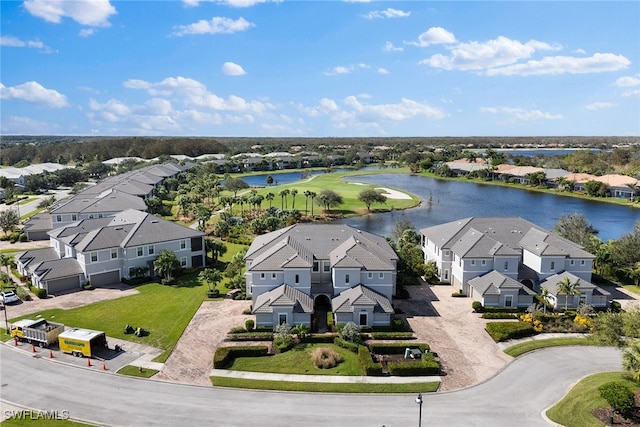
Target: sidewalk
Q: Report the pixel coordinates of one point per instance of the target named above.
(321, 378)
(506, 344)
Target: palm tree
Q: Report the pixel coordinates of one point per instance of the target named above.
(293, 195)
(166, 263)
(312, 195)
(283, 194)
(307, 194)
(5, 261)
(544, 294)
(270, 196)
(568, 288)
(631, 360)
(210, 277)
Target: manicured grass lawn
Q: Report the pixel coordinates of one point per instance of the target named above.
(298, 361)
(134, 371)
(425, 387)
(632, 288)
(576, 407)
(27, 418)
(518, 349)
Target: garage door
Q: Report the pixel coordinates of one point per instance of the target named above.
(58, 286)
(103, 279)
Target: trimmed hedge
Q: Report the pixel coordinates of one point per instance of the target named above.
(427, 365)
(396, 348)
(225, 356)
(502, 331)
(250, 336)
(321, 338)
(498, 316)
(369, 367)
(392, 335)
(351, 346)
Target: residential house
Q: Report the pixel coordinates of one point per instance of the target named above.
(299, 273)
(514, 247)
(106, 250)
(494, 289)
(587, 292)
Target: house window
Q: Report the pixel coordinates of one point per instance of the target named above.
(114, 253)
(273, 275)
(183, 244)
(484, 262)
(99, 215)
(346, 278)
(581, 262)
(151, 249)
(553, 265)
(380, 275)
(316, 267)
(446, 253)
(94, 256)
(572, 262)
(183, 261)
(58, 218)
(90, 216)
(473, 262)
(261, 276)
(506, 265)
(326, 267)
(369, 275)
(508, 300)
(297, 279)
(132, 271)
(74, 217)
(139, 251)
(282, 318)
(583, 298)
(446, 275)
(363, 319)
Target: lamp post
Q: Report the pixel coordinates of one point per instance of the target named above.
(6, 322)
(419, 402)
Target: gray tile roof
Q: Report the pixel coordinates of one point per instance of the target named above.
(541, 242)
(39, 222)
(551, 284)
(36, 256)
(360, 296)
(494, 281)
(106, 202)
(58, 269)
(283, 296)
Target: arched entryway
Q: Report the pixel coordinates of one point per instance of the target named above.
(321, 306)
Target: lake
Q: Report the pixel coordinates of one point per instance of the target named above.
(451, 200)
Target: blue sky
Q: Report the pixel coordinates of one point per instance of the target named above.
(320, 68)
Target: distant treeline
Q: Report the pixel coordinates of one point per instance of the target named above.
(21, 150)
(25, 149)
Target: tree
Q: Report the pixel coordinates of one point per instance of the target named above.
(46, 203)
(9, 221)
(618, 396)
(5, 261)
(350, 332)
(270, 196)
(312, 195)
(203, 214)
(626, 250)
(370, 196)
(216, 247)
(597, 189)
(431, 271)
(329, 198)
(210, 278)
(294, 191)
(153, 204)
(608, 329)
(576, 228)
(399, 227)
(269, 180)
(631, 360)
(166, 263)
(234, 185)
(568, 288)
(283, 194)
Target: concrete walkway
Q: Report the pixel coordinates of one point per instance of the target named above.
(506, 344)
(321, 378)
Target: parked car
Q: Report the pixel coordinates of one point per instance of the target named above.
(9, 296)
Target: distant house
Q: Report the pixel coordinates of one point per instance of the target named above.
(587, 292)
(106, 250)
(494, 289)
(299, 273)
(515, 248)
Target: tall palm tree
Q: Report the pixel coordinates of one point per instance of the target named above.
(294, 191)
(544, 294)
(312, 195)
(307, 194)
(283, 194)
(631, 360)
(270, 196)
(568, 288)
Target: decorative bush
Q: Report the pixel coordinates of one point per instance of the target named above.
(583, 323)
(392, 335)
(502, 331)
(282, 344)
(321, 338)
(369, 367)
(427, 365)
(351, 346)
(237, 330)
(498, 316)
(618, 395)
(249, 324)
(250, 336)
(458, 294)
(350, 332)
(325, 358)
(477, 306)
(225, 356)
(396, 348)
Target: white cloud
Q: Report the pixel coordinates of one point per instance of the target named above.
(232, 3)
(628, 81)
(86, 32)
(598, 63)
(16, 42)
(216, 25)
(599, 106)
(382, 70)
(580, 51)
(342, 69)
(93, 13)
(232, 69)
(387, 13)
(389, 47)
(635, 92)
(34, 93)
(434, 35)
(522, 114)
(493, 53)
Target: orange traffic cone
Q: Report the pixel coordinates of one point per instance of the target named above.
(88, 362)
(33, 348)
(50, 354)
(104, 366)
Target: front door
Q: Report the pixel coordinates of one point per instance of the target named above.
(321, 308)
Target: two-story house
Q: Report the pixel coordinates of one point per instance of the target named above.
(106, 250)
(518, 250)
(297, 274)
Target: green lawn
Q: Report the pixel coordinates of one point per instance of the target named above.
(134, 371)
(425, 387)
(298, 361)
(25, 418)
(632, 288)
(518, 349)
(576, 407)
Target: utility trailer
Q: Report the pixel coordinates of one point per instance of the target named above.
(82, 342)
(40, 331)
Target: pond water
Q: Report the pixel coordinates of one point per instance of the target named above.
(445, 201)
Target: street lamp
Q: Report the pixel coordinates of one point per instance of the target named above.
(6, 322)
(419, 402)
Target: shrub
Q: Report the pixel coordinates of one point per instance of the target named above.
(237, 330)
(498, 316)
(213, 293)
(369, 367)
(351, 346)
(325, 358)
(246, 311)
(618, 395)
(321, 338)
(40, 293)
(282, 344)
(502, 331)
(350, 332)
(396, 348)
(427, 365)
(477, 306)
(250, 336)
(225, 356)
(249, 324)
(458, 294)
(392, 335)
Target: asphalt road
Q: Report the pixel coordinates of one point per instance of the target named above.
(516, 396)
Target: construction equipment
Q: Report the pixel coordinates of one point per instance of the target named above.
(40, 331)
